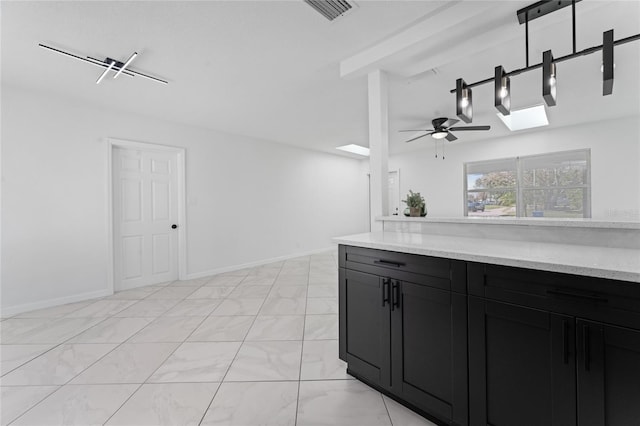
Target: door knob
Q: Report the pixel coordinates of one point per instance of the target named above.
(174, 226)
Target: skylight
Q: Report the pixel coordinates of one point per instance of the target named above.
(526, 118)
(355, 149)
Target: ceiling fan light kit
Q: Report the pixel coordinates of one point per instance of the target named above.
(501, 78)
(442, 128)
(441, 134)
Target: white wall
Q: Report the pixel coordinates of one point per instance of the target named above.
(248, 200)
(615, 171)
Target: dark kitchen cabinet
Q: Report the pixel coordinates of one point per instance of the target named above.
(404, 331)
(366, 334)
(466, 343)
(608, 372)
(521, 366)
(535, 358)
(429, 350)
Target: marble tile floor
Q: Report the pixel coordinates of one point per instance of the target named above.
(251, 347)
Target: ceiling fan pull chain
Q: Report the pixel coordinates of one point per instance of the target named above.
(435, 146)
(443, 150)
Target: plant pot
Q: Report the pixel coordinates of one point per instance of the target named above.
(415, 211)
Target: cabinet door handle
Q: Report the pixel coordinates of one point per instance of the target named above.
(571, 295)
(585, 347)
(385, 291)
(388, 263)
(565, 341)
(395, 295)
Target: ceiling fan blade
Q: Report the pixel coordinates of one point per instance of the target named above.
(450, 137)
(457, 129)
(419, 130)
(418, 137)
(437, 122)
(450, 122)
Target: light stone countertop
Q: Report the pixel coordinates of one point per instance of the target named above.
(603, 262)
(523, 221)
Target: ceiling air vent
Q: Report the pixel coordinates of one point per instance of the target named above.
(330, 9)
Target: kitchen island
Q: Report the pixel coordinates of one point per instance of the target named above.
(467, 329)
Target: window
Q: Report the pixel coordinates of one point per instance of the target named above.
(547, 185)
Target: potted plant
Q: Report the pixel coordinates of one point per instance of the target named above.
(416, 203)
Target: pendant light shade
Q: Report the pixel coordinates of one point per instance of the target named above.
(548, 78)
(502, 91)
(607, 63)
(464, 101)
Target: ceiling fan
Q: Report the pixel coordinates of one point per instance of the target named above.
(442, 129)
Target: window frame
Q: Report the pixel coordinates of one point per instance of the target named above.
(520, 188)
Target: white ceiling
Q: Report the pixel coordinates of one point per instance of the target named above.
(271, 69)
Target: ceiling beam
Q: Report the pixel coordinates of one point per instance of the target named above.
(449, 15)
(488, 40)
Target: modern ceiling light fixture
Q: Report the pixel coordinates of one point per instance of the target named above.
(549, 80)
(549, 63)
(108, 64)
(126, 64)
(106, 71)
(464, 101)
(502, 91)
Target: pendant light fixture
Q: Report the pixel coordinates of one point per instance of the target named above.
(607, 63)
(501, 79)
(548, 78)
(502, 91)
(464, 101)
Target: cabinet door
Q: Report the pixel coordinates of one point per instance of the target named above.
(608, 375)
(365, 326)
(521, 366)
(429, 350)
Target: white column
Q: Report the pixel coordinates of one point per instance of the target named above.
(378, 147)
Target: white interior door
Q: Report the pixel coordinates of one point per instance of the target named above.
(145, 211)
(394, 193)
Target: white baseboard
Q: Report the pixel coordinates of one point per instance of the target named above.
(15, 310)
(257, 263)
